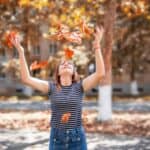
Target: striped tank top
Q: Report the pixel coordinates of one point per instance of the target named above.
(66, 105)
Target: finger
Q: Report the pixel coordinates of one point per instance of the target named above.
(17, 40)
(101, 28)
(97, 29)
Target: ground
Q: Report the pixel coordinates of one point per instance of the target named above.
(24, 125)
(129, 123)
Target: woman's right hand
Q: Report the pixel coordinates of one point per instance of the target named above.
(15, 40)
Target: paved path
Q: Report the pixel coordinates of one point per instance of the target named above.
(116, 106)
(36, 140)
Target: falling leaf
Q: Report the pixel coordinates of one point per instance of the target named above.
(85, 29)
(63, 34)
(73, 37)
(56, 37)
(68, 53)
(38, 65)
(43, 64)
(65, 117)
(34, 66)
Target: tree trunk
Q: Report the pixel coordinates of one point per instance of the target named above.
(105, 88)
(26, 37)
(133, 82)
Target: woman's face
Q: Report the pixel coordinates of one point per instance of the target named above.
(66, 67)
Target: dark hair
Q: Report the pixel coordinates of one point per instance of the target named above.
(75, 76)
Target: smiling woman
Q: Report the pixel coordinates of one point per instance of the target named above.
(66, 96)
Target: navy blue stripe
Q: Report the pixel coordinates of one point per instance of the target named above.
(68, 99)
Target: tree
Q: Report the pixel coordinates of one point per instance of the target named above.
(131, 26)
(132, 41)
(105, 94)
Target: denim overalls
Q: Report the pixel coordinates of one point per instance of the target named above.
(67, 139)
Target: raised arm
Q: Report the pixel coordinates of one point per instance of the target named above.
(26, 78)
(92, 80)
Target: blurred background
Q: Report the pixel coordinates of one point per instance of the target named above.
(125, 47)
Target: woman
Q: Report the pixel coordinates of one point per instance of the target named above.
(67, 132)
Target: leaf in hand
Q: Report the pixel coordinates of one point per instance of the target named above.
(8, 38)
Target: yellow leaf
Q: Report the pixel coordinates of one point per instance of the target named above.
(63, 17)
(78, 12)
(24, 2)
(52, 30)
(54, 19)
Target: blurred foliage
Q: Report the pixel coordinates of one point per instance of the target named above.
(132, 36)
(132, 28)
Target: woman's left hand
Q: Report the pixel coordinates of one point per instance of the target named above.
(98, 35)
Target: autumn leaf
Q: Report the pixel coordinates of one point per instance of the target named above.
(59, 33)
(68, 53)
(63, 34)
(34, 66)
(138, 123)
(55, 37)
(38, 65)
(43, 64)
(8, 36)
(62, 28)
(65, 117)
(85, 29)
(73, 37)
